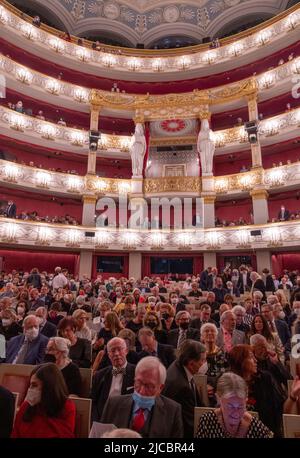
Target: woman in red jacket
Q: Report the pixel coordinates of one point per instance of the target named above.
(46, 411)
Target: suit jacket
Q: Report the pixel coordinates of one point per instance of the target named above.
(270, 283)
(164, 352)
(238, 337)
(7, 409)
(11, 211)
(36, 350)
(260, 286)
(49, 330)
(177, 387)
(191, 333)
(284, 334)
(206, 281)
(220, 294)
(164, 420)
(286, 215)
(196, 323)
(101, 386)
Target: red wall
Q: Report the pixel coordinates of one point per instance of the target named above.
(290, 203)
(232, 212)
(281, 261)
(45, 206)
(229, 167)
(26, 260)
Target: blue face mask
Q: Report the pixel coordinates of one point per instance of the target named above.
(143, 402)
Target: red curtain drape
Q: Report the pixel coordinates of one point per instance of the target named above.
(147, 136)
(197, 264)
(146, 265)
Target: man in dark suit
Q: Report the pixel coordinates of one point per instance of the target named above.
(257, 284)
(46, 328)
(206, 278)
(205, 317)
(28, 348)
(275, 315)
(244, 283)
(180, 385)
(146, 410)
(11, 210)
(7, 409)
(177, 337)
(219, 290)
(283, 214)
(150, 347)
(114, 380)
(268, 280)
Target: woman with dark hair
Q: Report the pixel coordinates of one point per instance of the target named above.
(80, 349)
(260, 326)
(152, 321)
(46, 411)
(34, 279)
(264, 395)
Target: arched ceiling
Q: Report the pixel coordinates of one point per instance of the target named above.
(149, 23)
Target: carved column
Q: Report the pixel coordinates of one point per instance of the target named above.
(88, 210)
(260, 206)
(137, 183)
(209, 211)
(94, 123)
(253, 116)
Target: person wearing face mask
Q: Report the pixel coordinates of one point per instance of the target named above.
(9, 326)
(21, 312)
(46, 411)
(175, 301)
(152, 321)
(46, 328)
(167, 316)
(146, 410)
(28, 348)
(180, 385)
(53, 315)
(177, 337)
(57, 352)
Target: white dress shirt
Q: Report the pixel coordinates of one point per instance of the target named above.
(116, 384)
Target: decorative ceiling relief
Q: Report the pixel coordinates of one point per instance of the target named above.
(173, 128)
(143, 16)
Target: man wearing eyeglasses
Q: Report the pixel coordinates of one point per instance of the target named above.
(146, 410)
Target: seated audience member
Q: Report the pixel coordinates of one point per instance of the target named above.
(53, 314)
(268, 280)
(46, 296)
(35, 301)
(21, 312)
(155, 293)
(264, 396)
(215, 356)
(58, 352)
(167, 316)
(258, 299)
(177, 337)
(130, 340)
(151, 347)
(46, 411)
(211, 300)
(257, 284)
(7, 409)
(195, 292)
(231, 419)
(267, 360)
(292, 404)
(138, 298)
(240, 313)
(137, 322)
(176, 302)
(228, 335)
(152, 321)
(251, 311)
(275, 315)
(260, 326)
(80, 349)
(9, 326)
(46, 328)
(7, 291)
(219, 290)
(28, 348)
(82, 330)
(128, 311)
(180, 385)
(283, 214)
(146, 410)
(112, 327)
(205, 317)
(232, 290)
(34, 279)
(113, 380)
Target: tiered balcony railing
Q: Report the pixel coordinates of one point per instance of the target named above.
(152, 62)
(28, 234)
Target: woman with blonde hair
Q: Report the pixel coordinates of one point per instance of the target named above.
(112, 327)
(82, 330)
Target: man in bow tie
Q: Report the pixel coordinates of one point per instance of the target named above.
(113, 380)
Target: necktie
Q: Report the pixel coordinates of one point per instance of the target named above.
(193, 388)
(117, 371)
(22, 353)
(181, 339)
(272, 327)
(138, 420)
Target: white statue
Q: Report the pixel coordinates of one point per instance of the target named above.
(137, 150)
(206, 148)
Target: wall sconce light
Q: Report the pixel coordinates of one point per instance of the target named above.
(44, 236)
(210, 57)
(101, 185)
(157, 65)
(83, 55)
(74, 184)
(10, 233)
(271, 128)
(103, 239)
(212, 240)
(47, 131)
(108, 60)
(11, 173)
(53, 86)
(267, 80)
(221, 185)
(78, 138)
(292, 21)
(245, 181)
(157, 240)
(23, 75)
(17, 122)
(124, 187)
(243, 239)
(29, 31)
(80, 95)
(57, 45)
(73, 237)
(263, 37)
(134, 64)
(273, 235)
(236, 49)
(276, 177)
(130, 240)
(43, 179)
(184, 63)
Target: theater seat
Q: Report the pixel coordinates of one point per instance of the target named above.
(83, 416)
(16, 377)
(86, 377)
(291, 426)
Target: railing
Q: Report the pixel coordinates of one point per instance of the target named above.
(166, 61)
(24, 233)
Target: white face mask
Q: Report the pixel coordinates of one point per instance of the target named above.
(33, 396)
(203, 369)
(6, 321)
(32, 333)
(281, 315)
(20, 311)
(174, 300)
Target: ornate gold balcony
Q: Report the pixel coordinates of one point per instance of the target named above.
(172, 184)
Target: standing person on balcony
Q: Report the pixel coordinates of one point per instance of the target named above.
(10, 210)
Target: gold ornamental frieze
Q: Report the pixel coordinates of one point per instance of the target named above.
(172, 184)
